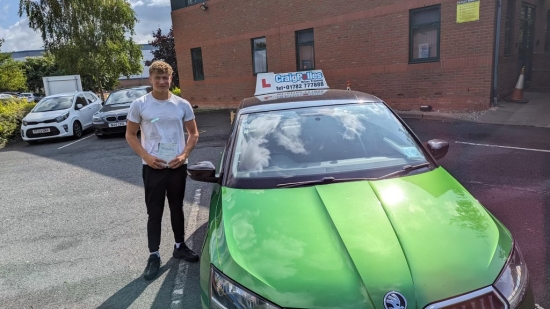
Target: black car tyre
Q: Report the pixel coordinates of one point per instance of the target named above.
(77, 130)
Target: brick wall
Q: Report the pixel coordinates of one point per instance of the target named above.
(135, 82)
(366, 42)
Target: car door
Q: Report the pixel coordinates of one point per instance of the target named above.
(86, 112)
(94, 101)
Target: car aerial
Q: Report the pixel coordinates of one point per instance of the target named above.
(60, 115)
(325, 198)
(111, 119)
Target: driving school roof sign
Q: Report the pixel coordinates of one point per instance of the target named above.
(305, 80)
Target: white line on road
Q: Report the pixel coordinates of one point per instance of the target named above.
(183, 267)
(508, 147)
(80, 140)
(537, 306)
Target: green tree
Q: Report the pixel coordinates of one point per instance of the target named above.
(12, 74)
(38, 67)
(87, 37)
(166, 52)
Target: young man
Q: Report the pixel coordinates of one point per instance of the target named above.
(164, 152)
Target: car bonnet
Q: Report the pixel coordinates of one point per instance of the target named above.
(347, 245)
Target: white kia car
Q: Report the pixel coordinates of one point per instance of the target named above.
(60, 115)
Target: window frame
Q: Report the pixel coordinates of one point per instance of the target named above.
(547, 33)
(411, 37)
(196, 76)
(297, 45)
(254, 58)
(510, 18)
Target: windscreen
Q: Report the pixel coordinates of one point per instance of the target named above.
(125, 96)
(53, 104)
(322, 141)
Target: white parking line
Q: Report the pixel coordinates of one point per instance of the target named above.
(80, 140)
(537, 306)
(183, 268)
(508, 147)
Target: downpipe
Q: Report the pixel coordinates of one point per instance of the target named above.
(497, 51)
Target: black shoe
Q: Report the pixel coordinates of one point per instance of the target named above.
(152, 268)
(185, 253)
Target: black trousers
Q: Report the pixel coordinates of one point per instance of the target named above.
(169, 183)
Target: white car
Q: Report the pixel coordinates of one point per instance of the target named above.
(27, 95)
(60, 115)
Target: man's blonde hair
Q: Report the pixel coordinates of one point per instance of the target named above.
(160, 67)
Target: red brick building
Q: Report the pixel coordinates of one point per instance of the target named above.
(409, 53)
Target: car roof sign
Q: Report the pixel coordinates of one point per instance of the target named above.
(268, 83)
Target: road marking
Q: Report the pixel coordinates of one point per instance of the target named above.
(183, 267)
(77, 141)
(507, 147)
(537, 306)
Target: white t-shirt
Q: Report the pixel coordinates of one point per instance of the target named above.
(161, 121)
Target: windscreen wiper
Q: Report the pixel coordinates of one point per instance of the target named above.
(324, 180)
(405, 170)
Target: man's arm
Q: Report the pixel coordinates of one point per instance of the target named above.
(131, 137)
(192, 139)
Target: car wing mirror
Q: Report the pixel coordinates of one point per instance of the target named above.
(438, 148)
(204, 171)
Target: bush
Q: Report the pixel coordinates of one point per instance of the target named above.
(176, 91)
(12, 112)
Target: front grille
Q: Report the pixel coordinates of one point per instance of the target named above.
(111, 118)
(487, 301)
(485, 298)
(122, 117)
(53, 132)
(37, 122)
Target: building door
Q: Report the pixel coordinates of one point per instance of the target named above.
(526, 39)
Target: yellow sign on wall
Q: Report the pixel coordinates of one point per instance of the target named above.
(467, 10)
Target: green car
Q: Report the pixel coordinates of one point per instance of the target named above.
(329, 200)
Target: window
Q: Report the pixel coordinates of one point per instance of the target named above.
(425, 27)
(91, 98)
(80, 100)
(509, 26)
(305, 51)
(547, 33)
(259, 55)
(196, 61)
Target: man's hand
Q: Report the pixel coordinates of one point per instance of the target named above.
(178, 161)
(155, 162)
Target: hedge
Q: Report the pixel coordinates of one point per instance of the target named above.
(12, 112)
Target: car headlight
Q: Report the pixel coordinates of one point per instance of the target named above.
(62, 117)
(25, 122)
(96, 118)
(226, 294)
(513, 280)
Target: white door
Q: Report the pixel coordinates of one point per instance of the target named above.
(86, 112)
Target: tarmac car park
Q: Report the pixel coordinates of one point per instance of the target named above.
(325, 198)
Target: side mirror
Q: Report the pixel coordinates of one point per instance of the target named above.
(203, 171)
(438, 148)
(195, 106)
(79, 106)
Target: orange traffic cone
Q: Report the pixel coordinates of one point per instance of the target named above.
(517, 95)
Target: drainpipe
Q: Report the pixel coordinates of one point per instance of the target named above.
(497, 51)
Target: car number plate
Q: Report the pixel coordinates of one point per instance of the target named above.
(41, 131)
(117, 124)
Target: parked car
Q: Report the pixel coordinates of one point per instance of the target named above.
(5, 96)
(27, 95)
(60, 115)
(111, 118)
(325, 198)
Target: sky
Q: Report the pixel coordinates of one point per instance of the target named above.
(151, 15)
